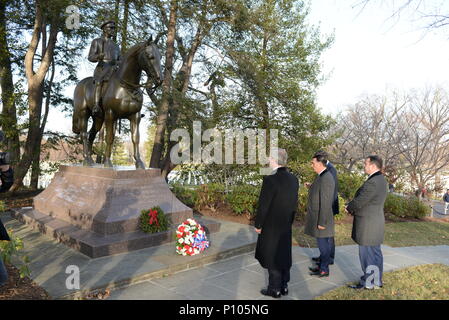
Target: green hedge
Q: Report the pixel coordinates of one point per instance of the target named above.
(210, 196)
(186, 195)
(406, 207)
(348, 183)
(243, 199)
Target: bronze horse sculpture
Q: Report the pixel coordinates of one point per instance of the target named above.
(121, 99)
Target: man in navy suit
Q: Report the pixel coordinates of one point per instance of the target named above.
(320, 218)
(3, 272)
(335, 204)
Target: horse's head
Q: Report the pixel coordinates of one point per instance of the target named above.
(150, 61)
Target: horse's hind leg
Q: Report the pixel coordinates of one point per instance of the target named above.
(96, 126)
(135, 121)
(83, 133)
(110, 125)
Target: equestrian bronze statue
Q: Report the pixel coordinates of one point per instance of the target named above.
(120, 94)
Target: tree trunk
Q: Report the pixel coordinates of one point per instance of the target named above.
(124, 39)
(35, 92)
(9, 113)
(116, 17)
(161, 119)
(36, 168)
(181, 86)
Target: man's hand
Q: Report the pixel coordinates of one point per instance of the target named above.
(346, 210)
(259, 231)
(101, 56)
(321, 227)
(307, 184)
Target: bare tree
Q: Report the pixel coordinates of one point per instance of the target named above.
(368, 127)
(424, 139)
(432, 14)
(409, 131)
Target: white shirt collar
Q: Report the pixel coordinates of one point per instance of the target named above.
(373, 173)
(322, 171)
(275, 170)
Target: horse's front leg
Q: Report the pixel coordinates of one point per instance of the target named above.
(110, 125)
(135, 136)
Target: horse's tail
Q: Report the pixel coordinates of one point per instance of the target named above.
(79, 104)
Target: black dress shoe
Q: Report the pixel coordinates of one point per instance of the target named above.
(356, 286)
(271, 293)
(361, 286)
(314, 269)
(284, 291)
(318, 260)
(319, 273)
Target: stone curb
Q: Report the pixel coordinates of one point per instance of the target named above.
(199, 262)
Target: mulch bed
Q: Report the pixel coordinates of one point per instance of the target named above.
(21, 288)
(224, 212)
(19, 198)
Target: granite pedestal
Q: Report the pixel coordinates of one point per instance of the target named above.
(96, 210)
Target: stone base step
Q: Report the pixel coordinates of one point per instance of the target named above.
(95, 245)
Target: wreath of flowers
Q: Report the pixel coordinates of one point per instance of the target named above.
(153, 220)
(191, 238)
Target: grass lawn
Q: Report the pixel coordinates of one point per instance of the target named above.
(426, 282)
(397, 234)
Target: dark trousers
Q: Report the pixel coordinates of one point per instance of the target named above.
(332, 245)
(372, 263)
(3, 273)
(4, 187)
(278, 279)
(325, 246)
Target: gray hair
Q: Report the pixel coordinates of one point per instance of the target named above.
(281, 154)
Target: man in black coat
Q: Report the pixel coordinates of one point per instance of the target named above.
(3, 272)
(446, 201)
(368, 228)
(275, 215)
(6, 172)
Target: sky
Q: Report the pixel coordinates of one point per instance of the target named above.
(371, 53)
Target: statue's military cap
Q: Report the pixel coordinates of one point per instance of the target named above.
(106, 23)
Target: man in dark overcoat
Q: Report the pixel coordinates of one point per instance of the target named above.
(335, 205)
(320, 217)
(275, 215)
(3, 272)
(367, 207)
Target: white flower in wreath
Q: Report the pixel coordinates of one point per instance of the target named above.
(181, 240)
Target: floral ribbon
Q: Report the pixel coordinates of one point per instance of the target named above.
(153, 217)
